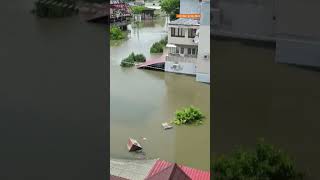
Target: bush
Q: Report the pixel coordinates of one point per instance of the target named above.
(116, 33)
(189, 115)
(264, 163)
(139, 58)
(132, 59)
(158, 47)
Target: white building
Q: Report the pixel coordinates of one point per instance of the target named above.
(203, 61)
(189, 42)
(183, 49)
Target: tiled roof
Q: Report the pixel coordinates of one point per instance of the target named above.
(185, 21)
(194, 174)
(171, 172)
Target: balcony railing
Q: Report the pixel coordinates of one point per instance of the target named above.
(178, 58)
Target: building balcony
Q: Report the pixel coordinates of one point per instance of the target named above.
(181, 58)
(184, 40)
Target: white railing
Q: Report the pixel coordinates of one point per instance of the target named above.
(179, 58)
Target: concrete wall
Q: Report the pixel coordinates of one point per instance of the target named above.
(183, 68)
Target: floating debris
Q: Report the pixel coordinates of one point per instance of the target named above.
(133, 145)
(166, 126)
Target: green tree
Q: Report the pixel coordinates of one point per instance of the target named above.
(170, 7)
(265, 162)
(116, 33)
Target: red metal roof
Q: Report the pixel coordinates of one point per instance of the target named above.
(194, 174)
(153, 61)
(171, 172)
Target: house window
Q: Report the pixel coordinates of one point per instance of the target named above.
(193, 51)
(177, 32)
(177, 50)
(189, 50)
(173, 31)
(182, 50)
(192, 33)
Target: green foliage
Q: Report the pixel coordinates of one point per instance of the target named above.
(137, 9)
(189, 115)
(132, 59)
(116, 33)
(158, 47)
(265, 162)
(170, 7)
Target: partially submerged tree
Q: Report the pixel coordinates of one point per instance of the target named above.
(188, 115)
(265, 162)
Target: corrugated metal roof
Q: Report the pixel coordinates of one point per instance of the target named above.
(171, 172)
(194, 174)
(185, 21)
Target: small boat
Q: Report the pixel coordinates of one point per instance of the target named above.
(133, 145)
(166, 126)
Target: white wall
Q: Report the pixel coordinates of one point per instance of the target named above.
(182, 40)
(185, 68)
(203, 65)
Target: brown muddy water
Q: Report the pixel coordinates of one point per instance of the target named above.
(142, 99)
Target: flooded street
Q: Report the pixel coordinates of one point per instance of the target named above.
(142, 99)
(255, 97)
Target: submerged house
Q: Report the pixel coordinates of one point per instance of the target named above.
(183, 49)
(189, 41)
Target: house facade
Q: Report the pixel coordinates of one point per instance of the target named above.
(183, 50)
(189, 42)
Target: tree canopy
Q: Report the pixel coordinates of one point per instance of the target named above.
(170, 7)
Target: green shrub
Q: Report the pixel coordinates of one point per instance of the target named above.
(265, 162)
(132, 59)
(158, 47)
(116, 33)
(189, 115)
(139, 58)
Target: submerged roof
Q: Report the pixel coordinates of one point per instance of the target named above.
(192, 173)
(185, 21)
(171, 172)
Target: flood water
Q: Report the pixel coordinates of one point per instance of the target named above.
(142, 99)
(255, 97)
